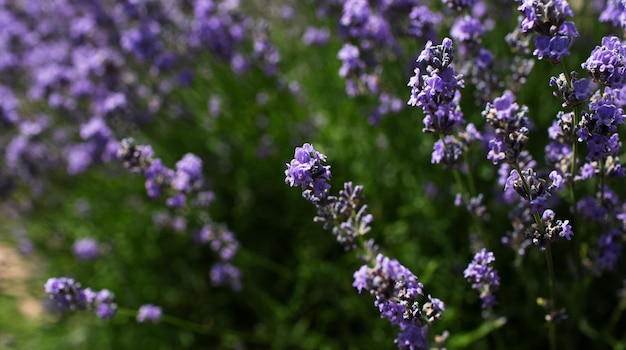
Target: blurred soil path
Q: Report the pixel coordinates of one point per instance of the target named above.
(14, 274)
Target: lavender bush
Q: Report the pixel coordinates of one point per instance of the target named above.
(456, 167)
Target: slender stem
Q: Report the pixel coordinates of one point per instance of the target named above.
(551, 325)
(601, 180)
(573, 161)
(457, 176)
(459, 181)
(172, 320)
(470, 177)
(617, 312)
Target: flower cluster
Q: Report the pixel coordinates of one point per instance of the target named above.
(346, 214)
(186, 179)
(223, 243)
(483, 277)
(397, 290)
(149, 312)
(353, 70)
(549, 230)
(449, 149)
(614, 12)
(98, 68)
(532, 188)
(459, 5)
(67, 294)
(607, 63)
(572, 91)
(308, 171)
(434, 88)
(559, 151)
(370, 33)
(395, 287)
(547, 18)
(598, 128)
(86, 249)
(511, 125)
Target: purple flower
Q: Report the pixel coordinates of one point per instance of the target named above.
(315, 36)
(573, 94)
(150, 313)
(606, 64)
(609, 250)
(67, 294)
(599, 128)
(188, 173)
(467, 29)
(614, 12)
(547, 18)
(226, 274)
(422, 22)
(434, 88)
(511, 123)
(352, 68)
(157, 177)
(86, 249)
(459, 5)
(307, 170)
(483, 277)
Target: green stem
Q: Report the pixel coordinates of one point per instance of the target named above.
(173, 321)
(457, 177)
(551, 325)
(601, 180)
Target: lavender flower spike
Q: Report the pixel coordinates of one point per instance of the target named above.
(67, 294)
(483, 277)
(396, 290)
(150, 313)
(435, 88)
(86, 249)
(306, 170)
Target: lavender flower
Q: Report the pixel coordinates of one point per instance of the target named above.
(532, 188)
(187, 179)
(559, 151)
(606, 64)
(573, 93)
(86, 249)
(67, 294)
(150, 313)
(599, 127)
(346, 214)
(483, 277)
(220, 240)
(315, 36)
(459, 5)
(422, 22)
(307, 170)
(226, 274)
(467, 29)
(614, 12)
(353, 70)
(511, 123)
(435, 89)
(547, 18)
(551, 230)
(396, 291)
(608, 250)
